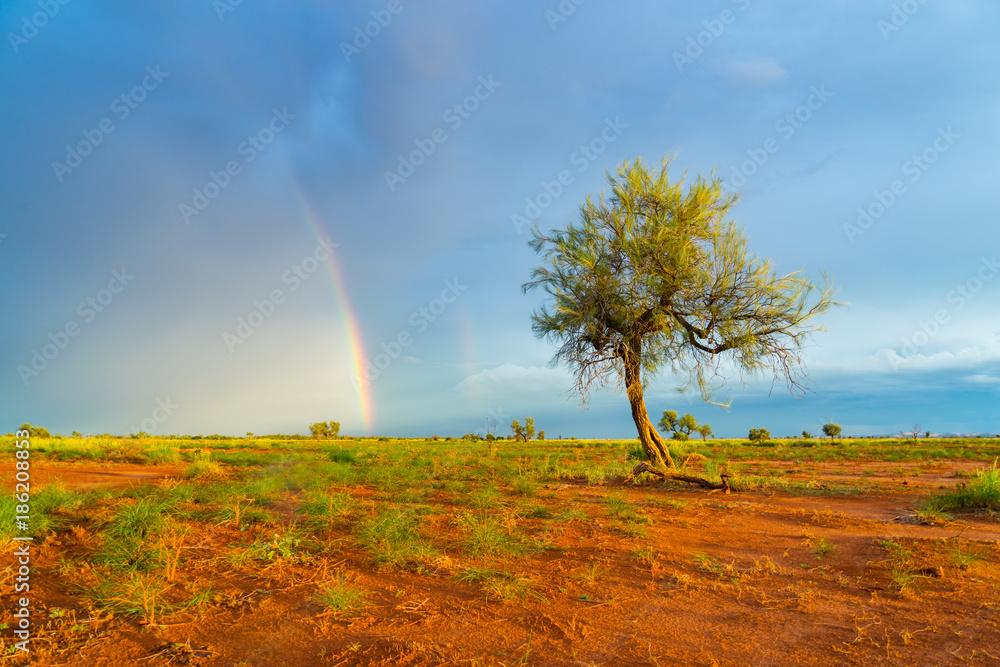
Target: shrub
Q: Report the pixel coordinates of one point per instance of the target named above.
(330, 429)
(982, 491)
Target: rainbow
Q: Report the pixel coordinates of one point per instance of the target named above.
(352, 330)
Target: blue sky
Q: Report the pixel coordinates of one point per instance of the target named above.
(167, 170)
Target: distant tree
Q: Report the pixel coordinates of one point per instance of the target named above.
(927, 434)
(656, 275)
(330, 429)
(680, 428)
(706, 431)
(541, 434)
(914, 434)
(831, 430)
(523, 433)
(77, 434)
(249, 434)
(35, 431)
(758, 435)
(807, 435)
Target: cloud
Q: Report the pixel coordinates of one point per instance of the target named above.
(982, 378)
(755, 75)
(514, 379)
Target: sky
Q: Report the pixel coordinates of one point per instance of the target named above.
(231, 217)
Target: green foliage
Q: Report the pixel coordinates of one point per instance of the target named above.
(486, 535)
(832, 430)
(35, 431)
(330, 429)
(681, 428)
(656, 275)
(129, 536)
(523, 433)
(759, 435)
(341, 597)
(981, 492)
(807, 435)
(392, 537)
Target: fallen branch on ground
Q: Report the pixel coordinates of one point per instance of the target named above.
(644, 466)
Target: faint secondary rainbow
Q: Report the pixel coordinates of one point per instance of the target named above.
(352, 330)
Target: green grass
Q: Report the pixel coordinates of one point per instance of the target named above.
(903, 575)
(203, 468)
(509, 588)
(393, 539)
(129, 536)
(485, 535)
(980, 492)
(486, 498)
(329, 508)
(341, 598)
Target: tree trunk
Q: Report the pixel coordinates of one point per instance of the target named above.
(651, 442)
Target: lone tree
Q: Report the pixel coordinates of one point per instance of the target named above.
(523, 433)
(657, 276)
(680, 428)
(328, 429)
(706, 431)
(831, 430)
(759, 435)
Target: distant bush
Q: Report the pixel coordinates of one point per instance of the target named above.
(759, 435)
(339, 455)
(35, 431)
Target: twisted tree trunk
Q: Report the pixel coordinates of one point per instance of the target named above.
(651, 442)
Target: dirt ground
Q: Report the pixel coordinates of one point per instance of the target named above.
(748, 578)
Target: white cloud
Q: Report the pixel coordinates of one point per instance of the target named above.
(755, 75)
(513, 379)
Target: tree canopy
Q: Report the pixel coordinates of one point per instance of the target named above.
(655, 276)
